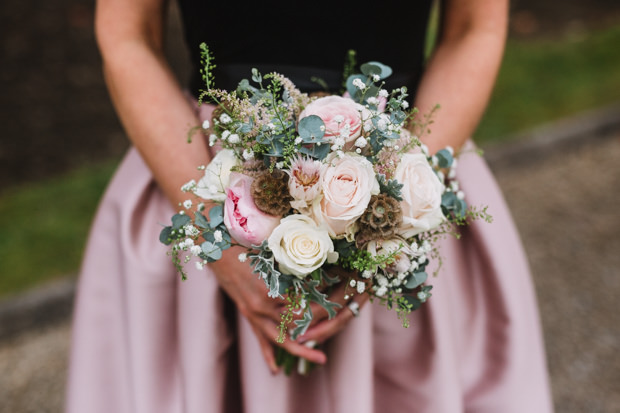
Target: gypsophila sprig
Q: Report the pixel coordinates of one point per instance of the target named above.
(320, 191)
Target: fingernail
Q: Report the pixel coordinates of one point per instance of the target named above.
(274, 369)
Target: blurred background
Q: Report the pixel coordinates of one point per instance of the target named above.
(551, 135)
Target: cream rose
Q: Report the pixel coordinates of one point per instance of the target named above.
(341, 116)
(217, 176)
(421, 195)
(347, 185)
(299, 246)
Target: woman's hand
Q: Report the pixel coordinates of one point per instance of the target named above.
(349, 301)
(322, 327)
(249, 294)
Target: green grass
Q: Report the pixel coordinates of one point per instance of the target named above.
(545, 80)
(44, 226)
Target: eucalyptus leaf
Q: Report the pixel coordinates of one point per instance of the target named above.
(316, 151)
(353, 91)
(246, 127)
(216, 216)
(179, 221)
(201, 221)
(244, 86)
(416, 279)
(413, 301)
(378, 68)
(460, 208)
(211, 250)
(448, 199)
(444, 158)
(164, 236)
(276, 148)
(311, 129)
(398, 116)
(370, 69)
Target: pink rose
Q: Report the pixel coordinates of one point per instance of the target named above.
(342, 117)
(347, 185)
(246, 223)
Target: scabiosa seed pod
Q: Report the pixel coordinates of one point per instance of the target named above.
(270, 192)
(379, 220)
(254, 168)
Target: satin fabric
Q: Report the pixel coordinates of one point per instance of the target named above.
(146, 342)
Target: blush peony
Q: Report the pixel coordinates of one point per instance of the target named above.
(245, 223)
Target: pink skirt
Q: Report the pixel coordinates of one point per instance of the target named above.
(146, 342)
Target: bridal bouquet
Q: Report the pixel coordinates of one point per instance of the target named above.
(308, 184)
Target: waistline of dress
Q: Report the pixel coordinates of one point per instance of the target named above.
(306, 79)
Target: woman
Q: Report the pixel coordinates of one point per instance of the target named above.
(144, 342)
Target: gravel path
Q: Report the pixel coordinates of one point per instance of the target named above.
(565, 206)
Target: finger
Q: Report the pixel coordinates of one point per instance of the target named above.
(267, 351)
(338, 295)
(343, 294)
(267, 330)
(327, 328)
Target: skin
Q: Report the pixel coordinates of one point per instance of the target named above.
(130, 36)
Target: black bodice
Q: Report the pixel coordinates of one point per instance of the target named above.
(304, 39)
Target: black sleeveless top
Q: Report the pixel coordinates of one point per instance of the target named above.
(301, 40)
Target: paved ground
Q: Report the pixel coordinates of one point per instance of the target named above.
(565, 205)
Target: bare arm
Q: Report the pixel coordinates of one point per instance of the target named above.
(462, 70)
(156, 116)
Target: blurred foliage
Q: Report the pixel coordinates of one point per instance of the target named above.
(545, 80)
(44, 226)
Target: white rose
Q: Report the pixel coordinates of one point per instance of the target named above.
(347, 185)
(421, 195)
(299, 246)
(217, 176)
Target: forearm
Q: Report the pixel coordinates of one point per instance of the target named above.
(460, 77)
(151, 105)
(156, 116)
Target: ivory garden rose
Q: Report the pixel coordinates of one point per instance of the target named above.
(244, 221)
(421, 193)
(347, 184)
(299, 246)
